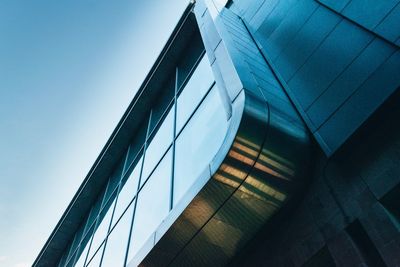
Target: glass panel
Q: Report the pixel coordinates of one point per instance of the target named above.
(137, 141)
(128, 191)
(160, 143)
(101, 231)
(117, 241)
(194, 91)
(70, 262)
(95, 261)
(153, 205)
(72, 250)
(81, 259)
(188, 60)
(63, 259)
(163, 101)
(112, 188)
(199, 142)
(77, 242)
(77, 239)
(93, 214)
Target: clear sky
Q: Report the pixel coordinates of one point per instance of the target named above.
(68, 70)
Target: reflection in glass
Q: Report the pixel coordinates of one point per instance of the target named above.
(160, 143)
(95, 261)
(101, 231)
(128, 191)
(195, 147)
(73, 248)
(117, 241)
(94, 213)
(114, 181)
(82, 257)
(194, 91)
(152, 206)
(199, 142)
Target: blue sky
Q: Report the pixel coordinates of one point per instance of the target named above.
(68, 70)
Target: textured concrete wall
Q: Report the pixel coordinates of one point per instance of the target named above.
(349, 215)
(339, 59)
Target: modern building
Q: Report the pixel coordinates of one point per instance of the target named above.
(267, 133)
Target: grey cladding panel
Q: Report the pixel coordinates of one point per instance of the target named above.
(314, 31)
(373, 92)
(274, 15)
(390, 25)
(329, 60)
(250, 10)
(288, 29)
(263, 12)
(337, 5)
(330, 53)
(380, 17)
(348, 81)
(369, 13)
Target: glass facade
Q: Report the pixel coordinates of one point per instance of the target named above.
(198, 142)
(180, 142)
(152, 205)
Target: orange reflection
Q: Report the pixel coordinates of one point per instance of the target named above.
(247, 152)
(262, 167)
(248, 143)
(263, 188)
(227, 181)
(277, 165)
(242, 158)
(245, 149)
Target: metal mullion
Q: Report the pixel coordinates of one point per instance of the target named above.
(196, 108)
(101, 209)
(120, 186)
(74, 250)
(83, 237)
(187, 78)
(90, 244)
(160, 121)
(171, 204)
(74, 256)
(155, 167)
(122, 214)
(137, 192)
(97, 223)
(140, 152)
(115, 205)
(80, 242)
(95, 253)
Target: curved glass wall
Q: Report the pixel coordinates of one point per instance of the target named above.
(198, 142)
(195, 89)
(128, 192)
(152, 204)
(153, 178)
(159, 144)
(101, 232)
(118, 240)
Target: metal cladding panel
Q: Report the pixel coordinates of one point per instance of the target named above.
(368, 13)
(326, 52)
